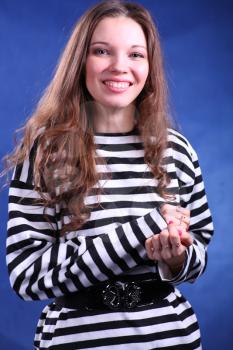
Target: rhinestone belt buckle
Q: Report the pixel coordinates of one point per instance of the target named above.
(117, 295)
(132, 295)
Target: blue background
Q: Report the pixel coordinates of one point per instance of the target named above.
(197, 38)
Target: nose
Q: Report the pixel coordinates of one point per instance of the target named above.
(119, 64)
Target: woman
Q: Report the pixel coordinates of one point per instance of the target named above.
(107, 208)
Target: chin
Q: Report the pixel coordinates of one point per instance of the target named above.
(117, 104)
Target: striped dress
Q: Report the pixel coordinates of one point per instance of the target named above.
(110, 244)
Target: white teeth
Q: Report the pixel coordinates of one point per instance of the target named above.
(117, 85)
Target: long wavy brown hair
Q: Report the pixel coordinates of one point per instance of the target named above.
(62, 129)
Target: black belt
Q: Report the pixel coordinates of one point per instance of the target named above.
(116, 295)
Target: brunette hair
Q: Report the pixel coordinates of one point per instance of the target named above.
(64, 160)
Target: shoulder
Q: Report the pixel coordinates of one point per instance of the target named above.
(184, 155)
(23, 171)
(181, 145)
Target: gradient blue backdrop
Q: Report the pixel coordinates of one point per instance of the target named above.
(197, 37)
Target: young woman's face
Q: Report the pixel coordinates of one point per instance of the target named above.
(117, 62)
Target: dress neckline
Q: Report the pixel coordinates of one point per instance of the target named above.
(128, 133)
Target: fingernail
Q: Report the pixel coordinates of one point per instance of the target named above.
(179, 233)
(170, 222)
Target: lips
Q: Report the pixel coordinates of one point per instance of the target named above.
(117, 84)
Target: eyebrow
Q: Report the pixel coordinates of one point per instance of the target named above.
(107, 44)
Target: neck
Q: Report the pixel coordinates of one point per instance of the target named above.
(114, 120)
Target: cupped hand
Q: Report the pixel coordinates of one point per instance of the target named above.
(170, 245)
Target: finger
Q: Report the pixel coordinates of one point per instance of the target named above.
(177, 249)
(157, 248)
(179, 225)
(183, 227)
(185, 214)
(149, 248)
(179, 235)
(164, 239)
(175, 240)
(172, 220)
(176, 217)
(168, 211)
(153, 248)
(172, 209)
(184, 219)
(183, 211)
(186, 239)
(165, 244)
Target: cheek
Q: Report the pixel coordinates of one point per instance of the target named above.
(91, 73)
(89, 69)
(93, 67)
(142, 73)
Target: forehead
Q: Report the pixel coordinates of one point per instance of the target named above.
(119, 30)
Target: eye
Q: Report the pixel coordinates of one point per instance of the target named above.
(137, 55)
(100, 52)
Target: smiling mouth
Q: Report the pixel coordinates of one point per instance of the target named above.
(117, 84)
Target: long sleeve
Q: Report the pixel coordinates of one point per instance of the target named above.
(43, 265)
(193, 197)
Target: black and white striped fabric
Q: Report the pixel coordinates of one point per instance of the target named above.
(43, 265)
